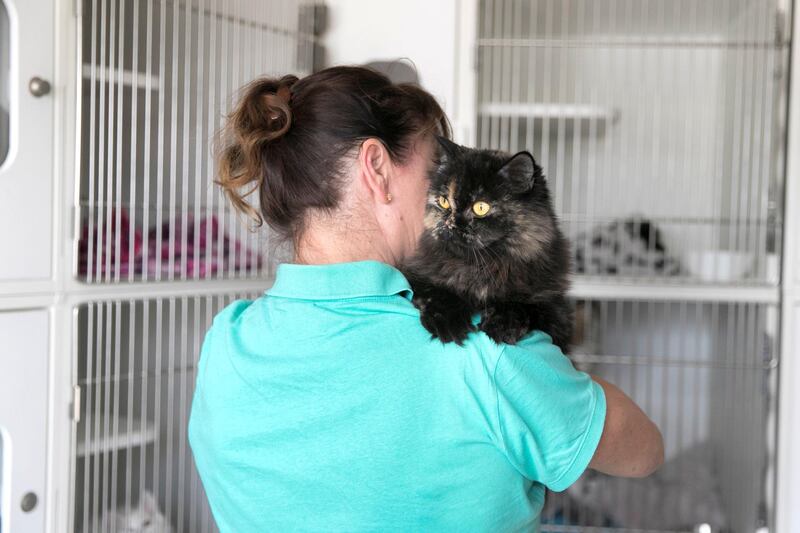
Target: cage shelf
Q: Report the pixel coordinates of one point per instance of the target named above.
(139, 80)
(558, 528)
(632, 41)
(549, 111)
(147, 290)
(591, 288)
(685, 362)
(141, 433)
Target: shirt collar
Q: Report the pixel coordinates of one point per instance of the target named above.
(335, 281)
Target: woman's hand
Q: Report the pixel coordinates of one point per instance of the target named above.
(631, 444)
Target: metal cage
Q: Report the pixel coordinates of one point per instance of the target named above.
(156, 81)
(660, 125)
(136, 368)
(158, 78)
(705, 373)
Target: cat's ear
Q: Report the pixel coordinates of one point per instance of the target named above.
(449, 148)
(147, 503)
(520, 171)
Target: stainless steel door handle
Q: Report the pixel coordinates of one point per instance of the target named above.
(39, 87)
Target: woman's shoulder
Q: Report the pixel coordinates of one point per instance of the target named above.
(534, 343)
(533, 357)
(225, 324)
(232, 311)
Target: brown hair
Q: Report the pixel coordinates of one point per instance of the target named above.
(287, 138)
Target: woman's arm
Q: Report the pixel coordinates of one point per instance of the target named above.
(631, 444)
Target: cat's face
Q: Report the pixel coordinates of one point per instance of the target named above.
(143, 518)
(484, 202)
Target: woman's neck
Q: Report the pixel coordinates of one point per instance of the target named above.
(332, 243)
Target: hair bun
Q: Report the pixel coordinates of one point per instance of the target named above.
(261, 117)
(284, 93)
(263, 113)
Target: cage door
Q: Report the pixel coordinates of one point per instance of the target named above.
(26, 170)
(23, 420)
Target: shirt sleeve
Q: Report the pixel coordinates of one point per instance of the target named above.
(550, 415)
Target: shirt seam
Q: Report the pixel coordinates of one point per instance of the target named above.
(202, 364)
(227, 348)
(339, 298)
(584, 436)
(503, 445)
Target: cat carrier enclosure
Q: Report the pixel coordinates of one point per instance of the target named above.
(157, 79)
(661, 128)
(665, 129)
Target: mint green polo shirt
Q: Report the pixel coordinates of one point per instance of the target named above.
(324, 405)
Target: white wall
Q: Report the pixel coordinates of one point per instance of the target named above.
(424, 31)
(4, 80)
(788, 467)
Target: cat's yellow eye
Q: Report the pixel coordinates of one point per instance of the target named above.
(481, 208)
(443, 202)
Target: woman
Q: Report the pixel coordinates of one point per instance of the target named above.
(324, 405)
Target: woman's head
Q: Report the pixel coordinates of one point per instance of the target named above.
(342, 147)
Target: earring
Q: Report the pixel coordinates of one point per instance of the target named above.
(388, 197)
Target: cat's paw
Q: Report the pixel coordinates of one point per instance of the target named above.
(505, 325)
(448, 320)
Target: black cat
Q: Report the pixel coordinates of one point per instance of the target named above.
(492, 245)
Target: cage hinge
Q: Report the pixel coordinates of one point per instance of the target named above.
(76, 404)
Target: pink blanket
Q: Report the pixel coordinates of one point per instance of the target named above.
(202, 253)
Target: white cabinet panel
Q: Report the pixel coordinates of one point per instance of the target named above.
(26, 173)
(23, 418)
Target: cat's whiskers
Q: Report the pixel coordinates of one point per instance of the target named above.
(484, 262)
(475, 255)
(491, 253)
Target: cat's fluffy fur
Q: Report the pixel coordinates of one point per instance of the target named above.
(511, 265)
(145, 517)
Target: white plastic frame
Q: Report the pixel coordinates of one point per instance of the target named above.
(13, 96)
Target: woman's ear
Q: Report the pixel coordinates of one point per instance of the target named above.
(375, 168)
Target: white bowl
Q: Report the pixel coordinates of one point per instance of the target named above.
(719, 266)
